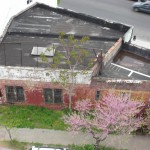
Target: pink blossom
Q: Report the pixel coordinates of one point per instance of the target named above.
(83, 105)
(114, 113)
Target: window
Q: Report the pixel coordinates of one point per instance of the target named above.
(97, 95)
(47, 51)
(53, 96)
(14, 94)
(1, 94)
(125, 94)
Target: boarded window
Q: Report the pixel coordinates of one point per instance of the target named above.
(14, 94)
(53, 96)
(97, 95)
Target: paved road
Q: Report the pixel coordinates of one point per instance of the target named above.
(115, 10)
(64, 138)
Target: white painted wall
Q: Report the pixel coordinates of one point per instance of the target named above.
(38, 74)
(9, 8)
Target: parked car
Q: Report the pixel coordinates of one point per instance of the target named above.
(144, 0)
(142, 6)
(46, 148)
(140, 0)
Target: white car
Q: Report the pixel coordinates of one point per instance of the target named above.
(47, 148)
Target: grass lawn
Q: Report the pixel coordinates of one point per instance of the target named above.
(31, 117)
(35, 117)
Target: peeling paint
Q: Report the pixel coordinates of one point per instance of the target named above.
(39, 74)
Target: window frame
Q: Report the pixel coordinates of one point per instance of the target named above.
(97, 94)
(53, 96)
(14, 94)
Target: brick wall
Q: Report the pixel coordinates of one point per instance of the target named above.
(34, 95)
(112, 52)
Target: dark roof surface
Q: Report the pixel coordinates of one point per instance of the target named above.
(41, 25)
(18, 53)
(129, 66)
(41, 19)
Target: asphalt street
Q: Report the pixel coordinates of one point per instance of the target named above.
(114, 10)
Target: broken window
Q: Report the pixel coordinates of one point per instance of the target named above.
(53, 96)
(97, 95)
(14, 94)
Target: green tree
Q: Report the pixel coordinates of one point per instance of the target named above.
(71, 61)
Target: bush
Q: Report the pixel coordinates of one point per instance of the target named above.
(145, 113)
(89, 147)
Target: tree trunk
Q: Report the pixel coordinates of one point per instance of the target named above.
(70, 102)
(96, 146)
(9, 133)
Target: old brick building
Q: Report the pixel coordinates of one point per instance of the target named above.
(24, 77)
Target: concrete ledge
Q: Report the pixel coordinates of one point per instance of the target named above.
(141, 51)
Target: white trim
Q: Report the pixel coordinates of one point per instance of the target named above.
(39, 74)
(131, 70)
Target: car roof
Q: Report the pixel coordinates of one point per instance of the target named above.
(147, 2)
(47, 148)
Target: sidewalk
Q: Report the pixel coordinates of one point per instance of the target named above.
(141, 43)
(45, 136)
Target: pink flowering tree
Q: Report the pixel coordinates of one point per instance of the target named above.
(112, 114)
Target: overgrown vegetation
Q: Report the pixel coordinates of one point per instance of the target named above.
(90, 147)
(23, 146)
(147, 119)
(145, 129)
(31, 117)
(14, 145)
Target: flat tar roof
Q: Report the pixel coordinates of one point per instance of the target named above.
(42, 19)
(129, 66)
(41, 25)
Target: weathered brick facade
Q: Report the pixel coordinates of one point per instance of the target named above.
(25, 79)
(34, 95)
